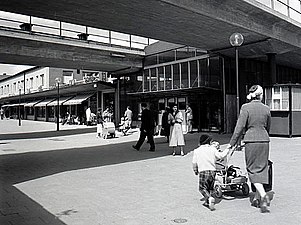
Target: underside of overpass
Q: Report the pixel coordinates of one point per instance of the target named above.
(202, 24)
(20, 47)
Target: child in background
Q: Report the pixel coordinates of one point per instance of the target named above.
(203, 162)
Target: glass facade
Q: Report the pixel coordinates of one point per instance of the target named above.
(183, 74)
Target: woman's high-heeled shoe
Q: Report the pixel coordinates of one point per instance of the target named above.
(265, 202)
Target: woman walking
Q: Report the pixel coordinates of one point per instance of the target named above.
(176, 133)
(255, 119)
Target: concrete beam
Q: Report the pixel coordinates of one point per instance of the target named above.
(26, 49)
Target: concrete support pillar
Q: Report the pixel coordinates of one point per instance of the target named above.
(272, 67)
(117, 101)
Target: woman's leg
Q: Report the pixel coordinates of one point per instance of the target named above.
(264, 198)
(174, 151)
(259, 190)
(256, 199)
(182, 151)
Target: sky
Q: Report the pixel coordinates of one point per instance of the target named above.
(11, 69)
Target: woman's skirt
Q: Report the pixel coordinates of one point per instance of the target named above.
(176, 136)
(256, 156)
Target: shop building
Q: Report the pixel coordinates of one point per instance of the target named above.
(33, 94)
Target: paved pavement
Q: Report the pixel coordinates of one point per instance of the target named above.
(71, 177)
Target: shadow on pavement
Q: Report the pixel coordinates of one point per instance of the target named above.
(17, 168)
(46, 134)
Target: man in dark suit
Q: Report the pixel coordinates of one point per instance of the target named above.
(146, 129)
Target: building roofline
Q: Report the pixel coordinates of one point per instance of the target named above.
(21, 72)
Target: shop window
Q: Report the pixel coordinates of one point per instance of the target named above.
(176, 76)
(203, 68)
(161, 104)
(168, 81)
(31, 83)
(296, 96)
(277, 98)
(193, 74)
(214, 76)
(146, 80)
(171, 102)
(184, 75)
(42, 80)
(154, 79)
(182, 103)
(161, 78)
(166, 56)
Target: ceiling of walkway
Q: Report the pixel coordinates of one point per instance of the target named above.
(203, 24)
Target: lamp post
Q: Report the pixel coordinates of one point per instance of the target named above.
(58, 81)
(236, 40)
(19, 109)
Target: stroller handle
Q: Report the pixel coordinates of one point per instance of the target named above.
(223, 166)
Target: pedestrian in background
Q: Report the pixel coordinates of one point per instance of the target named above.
(189, 118)
(128, 115)
(88, 116)
(176, 132)
(255, 120)
(165, 130)
(146, 129)
(107, 115)
(99, 121)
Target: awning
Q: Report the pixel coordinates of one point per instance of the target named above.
(61, 101)
(12, 105)
(44, 103)
(78, 99)
(31, 104)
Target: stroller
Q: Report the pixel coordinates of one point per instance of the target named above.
(108, 128)
(229, 178)
(124, 126)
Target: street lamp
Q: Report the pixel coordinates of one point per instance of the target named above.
(58, 81)
(19, 110)
(236, 40)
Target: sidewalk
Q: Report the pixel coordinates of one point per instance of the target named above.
(77, 179)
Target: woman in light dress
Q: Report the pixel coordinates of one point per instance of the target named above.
(176, 133)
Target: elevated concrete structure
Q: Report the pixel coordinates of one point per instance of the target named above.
(19, 47)
(203, 24)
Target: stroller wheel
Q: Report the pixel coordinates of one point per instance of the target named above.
(245, 189)
(218, 191)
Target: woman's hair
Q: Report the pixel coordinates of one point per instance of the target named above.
(255, 92)
(175, 106)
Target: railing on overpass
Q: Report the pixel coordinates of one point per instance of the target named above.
(40, 26)
(290, 8)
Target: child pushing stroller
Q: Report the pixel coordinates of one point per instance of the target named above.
(204, 165)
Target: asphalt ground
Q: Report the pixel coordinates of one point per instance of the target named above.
(71, 177)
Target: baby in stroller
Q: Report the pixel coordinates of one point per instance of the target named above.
(228, 178)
